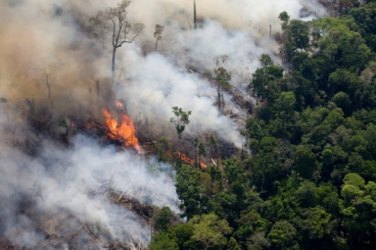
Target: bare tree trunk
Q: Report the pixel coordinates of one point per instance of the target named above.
(156, 44)
(219, 97)
(113, 62)
(48, 88)
(270, 30)
(194, 15)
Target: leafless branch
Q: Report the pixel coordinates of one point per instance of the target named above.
(121, 31)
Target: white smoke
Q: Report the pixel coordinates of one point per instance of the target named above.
(44, 44)
(233, 35)
(163, 86)
(64, 179)
(252, 15)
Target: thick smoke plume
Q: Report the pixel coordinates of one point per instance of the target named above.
(47, 53)
(51, 67)
(66, 180)
(233, 34)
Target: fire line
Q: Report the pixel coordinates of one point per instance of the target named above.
(123, 131)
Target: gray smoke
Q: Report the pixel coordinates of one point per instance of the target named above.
(233, 34)
(48, 60)
(64, 179)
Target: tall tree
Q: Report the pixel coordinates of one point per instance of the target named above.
(210, 231)
(181, 119)
(113, 23)
(194, 14)
(222, 78)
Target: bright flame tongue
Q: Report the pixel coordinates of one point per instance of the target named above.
(184, 158)
(125, 131)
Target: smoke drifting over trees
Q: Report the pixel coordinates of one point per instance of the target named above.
(57, 44)
(51, 66)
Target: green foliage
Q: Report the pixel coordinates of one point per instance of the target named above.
(309, 181)
(282, 235)
(343, 101)
(284, 17)
(258, 241)
(223, 77)
(191, 190)
(316, 223)
(299, 34)
(266, 60)
(364, 16)
(210, 230)
(182, 234)
(307, 194)
(370, 137)
(250, 223)
(162, 218)
(365, 95)
(284, 105)
(342, 80)
(359, 211)
(270, 163)
(265, 81)
(233, 245)
(354, 179)
(295, 39)
(341, 44)
(162, 241)
(181, 119)
(305, 161)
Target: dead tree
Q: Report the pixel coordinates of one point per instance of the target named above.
(47, 81)
(158, 35)
(194, 15)
(113, 23)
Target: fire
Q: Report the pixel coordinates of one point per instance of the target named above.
(184, 158)
(123, 131)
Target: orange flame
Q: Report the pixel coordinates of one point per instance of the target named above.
(184, 158)
(125, 131)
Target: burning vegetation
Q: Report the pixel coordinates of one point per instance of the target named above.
(123, 131)
(80, 170)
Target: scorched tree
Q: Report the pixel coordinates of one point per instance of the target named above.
(113, 24)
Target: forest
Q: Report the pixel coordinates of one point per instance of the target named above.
(309, 181)
(190, 124)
